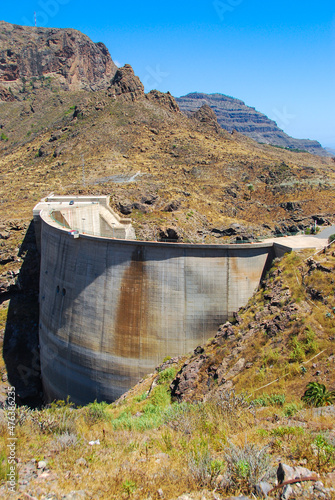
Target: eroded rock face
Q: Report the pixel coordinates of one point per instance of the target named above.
(186, 381)
(6, 95)
(169, 234)
(66, 54)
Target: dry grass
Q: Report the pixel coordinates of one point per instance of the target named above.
(186, 451)
(182, 157)
(148, 443)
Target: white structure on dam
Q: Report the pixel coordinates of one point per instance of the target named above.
(111, 307)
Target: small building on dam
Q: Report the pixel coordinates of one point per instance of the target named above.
(111, 307)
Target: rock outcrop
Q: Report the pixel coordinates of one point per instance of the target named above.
(126, 83)
(6, 95)
(30, 53)
(233, 114)
(165, 100)
(206, 115)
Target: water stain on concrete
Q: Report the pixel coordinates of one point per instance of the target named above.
(132, 308)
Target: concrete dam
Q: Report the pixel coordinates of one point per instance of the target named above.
(111, 307)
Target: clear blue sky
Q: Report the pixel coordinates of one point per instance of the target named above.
(277, 56)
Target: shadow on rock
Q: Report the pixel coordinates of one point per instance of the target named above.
(21, 344)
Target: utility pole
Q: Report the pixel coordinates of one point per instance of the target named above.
(35, 18)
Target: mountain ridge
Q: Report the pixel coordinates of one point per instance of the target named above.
(179, 178)
(234, 114)
(29, 55)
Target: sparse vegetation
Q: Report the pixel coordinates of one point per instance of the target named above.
(246, 465)
(227, 440)
(96, 412)
(167, 375)
(229, 430)
(270, 400)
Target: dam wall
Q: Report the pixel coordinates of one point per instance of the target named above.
(112, 309)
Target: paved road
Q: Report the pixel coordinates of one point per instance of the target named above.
(326, 232)
(305, 241)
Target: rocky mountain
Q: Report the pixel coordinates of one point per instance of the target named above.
(73, 123)
(234, 114)
(30, 53)
(63, 98)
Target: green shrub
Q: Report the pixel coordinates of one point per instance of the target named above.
(246, 466)
(129, 486)
(4, 466)
(167, 375)
(96, 412)
(160, 396)
(151, 418)
(3, 137)
(141, 397)
(290, 409)
(281, 431)
(298, 352)
(217, 466)
(270, 400)
(311, 345)
(325, 451)
(152, 414)
(271, 357)
(331, 238)
(317, 395)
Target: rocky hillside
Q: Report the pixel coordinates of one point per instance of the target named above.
(233, 114)
(281, 340)
(179, 178)
(30, 55)
(225, 420)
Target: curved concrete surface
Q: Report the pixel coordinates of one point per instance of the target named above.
(112, 309)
